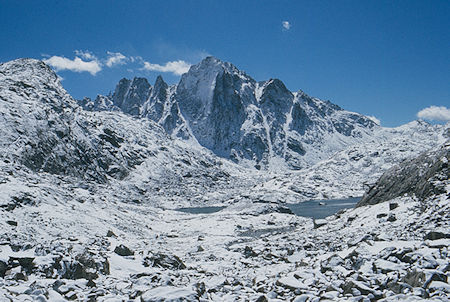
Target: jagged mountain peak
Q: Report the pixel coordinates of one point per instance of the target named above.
(225, 110)
(130, 95)
(140, 81)
(160, 83)
(213, 62)
(273, 89)
(135, 81)
(211, 67)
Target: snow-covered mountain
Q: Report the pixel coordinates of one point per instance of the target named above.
(87, 197)
(229, 113)
(43, 130)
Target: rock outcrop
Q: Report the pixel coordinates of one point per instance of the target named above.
(420, 177)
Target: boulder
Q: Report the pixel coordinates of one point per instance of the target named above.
(414, 278)
(123, 250)
(249, 252)
(169, 293)
(3, 268)
(84, 266)
(364, 288)
(319, 222)
(393, 206)
(331, 263)
(200, 288)
(435, 235)
(392, 218)
(110, 234)
(163, 261)
(25, 262)
(261, 299)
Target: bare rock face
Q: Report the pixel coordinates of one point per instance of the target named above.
(130, 95)
(421, 177)
(225, 110)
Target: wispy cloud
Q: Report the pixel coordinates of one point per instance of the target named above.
(86, 61)
(76, 65)
(286, 25)
(435, 113)
(115, 58)
(176, 67)
(86, 54)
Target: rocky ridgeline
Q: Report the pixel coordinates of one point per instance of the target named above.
(228, 112)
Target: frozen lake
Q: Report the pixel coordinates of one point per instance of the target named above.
(200, 210)
(318, 209)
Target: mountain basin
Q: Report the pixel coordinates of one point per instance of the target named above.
(319, 209)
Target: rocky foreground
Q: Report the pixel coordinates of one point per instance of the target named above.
(89, 249)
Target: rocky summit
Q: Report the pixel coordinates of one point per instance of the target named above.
(91, 192)
(226, 111)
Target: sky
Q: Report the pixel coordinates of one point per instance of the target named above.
(387, 59)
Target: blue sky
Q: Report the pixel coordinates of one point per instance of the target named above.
(388, 59)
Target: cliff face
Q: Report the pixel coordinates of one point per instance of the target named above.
(261, 124)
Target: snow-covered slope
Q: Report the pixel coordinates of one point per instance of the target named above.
(355, 169)
(62, 241)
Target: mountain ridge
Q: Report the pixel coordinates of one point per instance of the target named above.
(260, 124)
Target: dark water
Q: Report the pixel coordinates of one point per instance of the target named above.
(316, 209)
(319, 209)
(201, 210)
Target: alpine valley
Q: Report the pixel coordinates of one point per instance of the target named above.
(91, 192)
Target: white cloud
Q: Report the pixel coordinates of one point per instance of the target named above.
(136, 59)
(77, 64)
(115, 58)
(86, 54)
(176, 67)
(87, 61)
(286, 25)
(435, 113)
